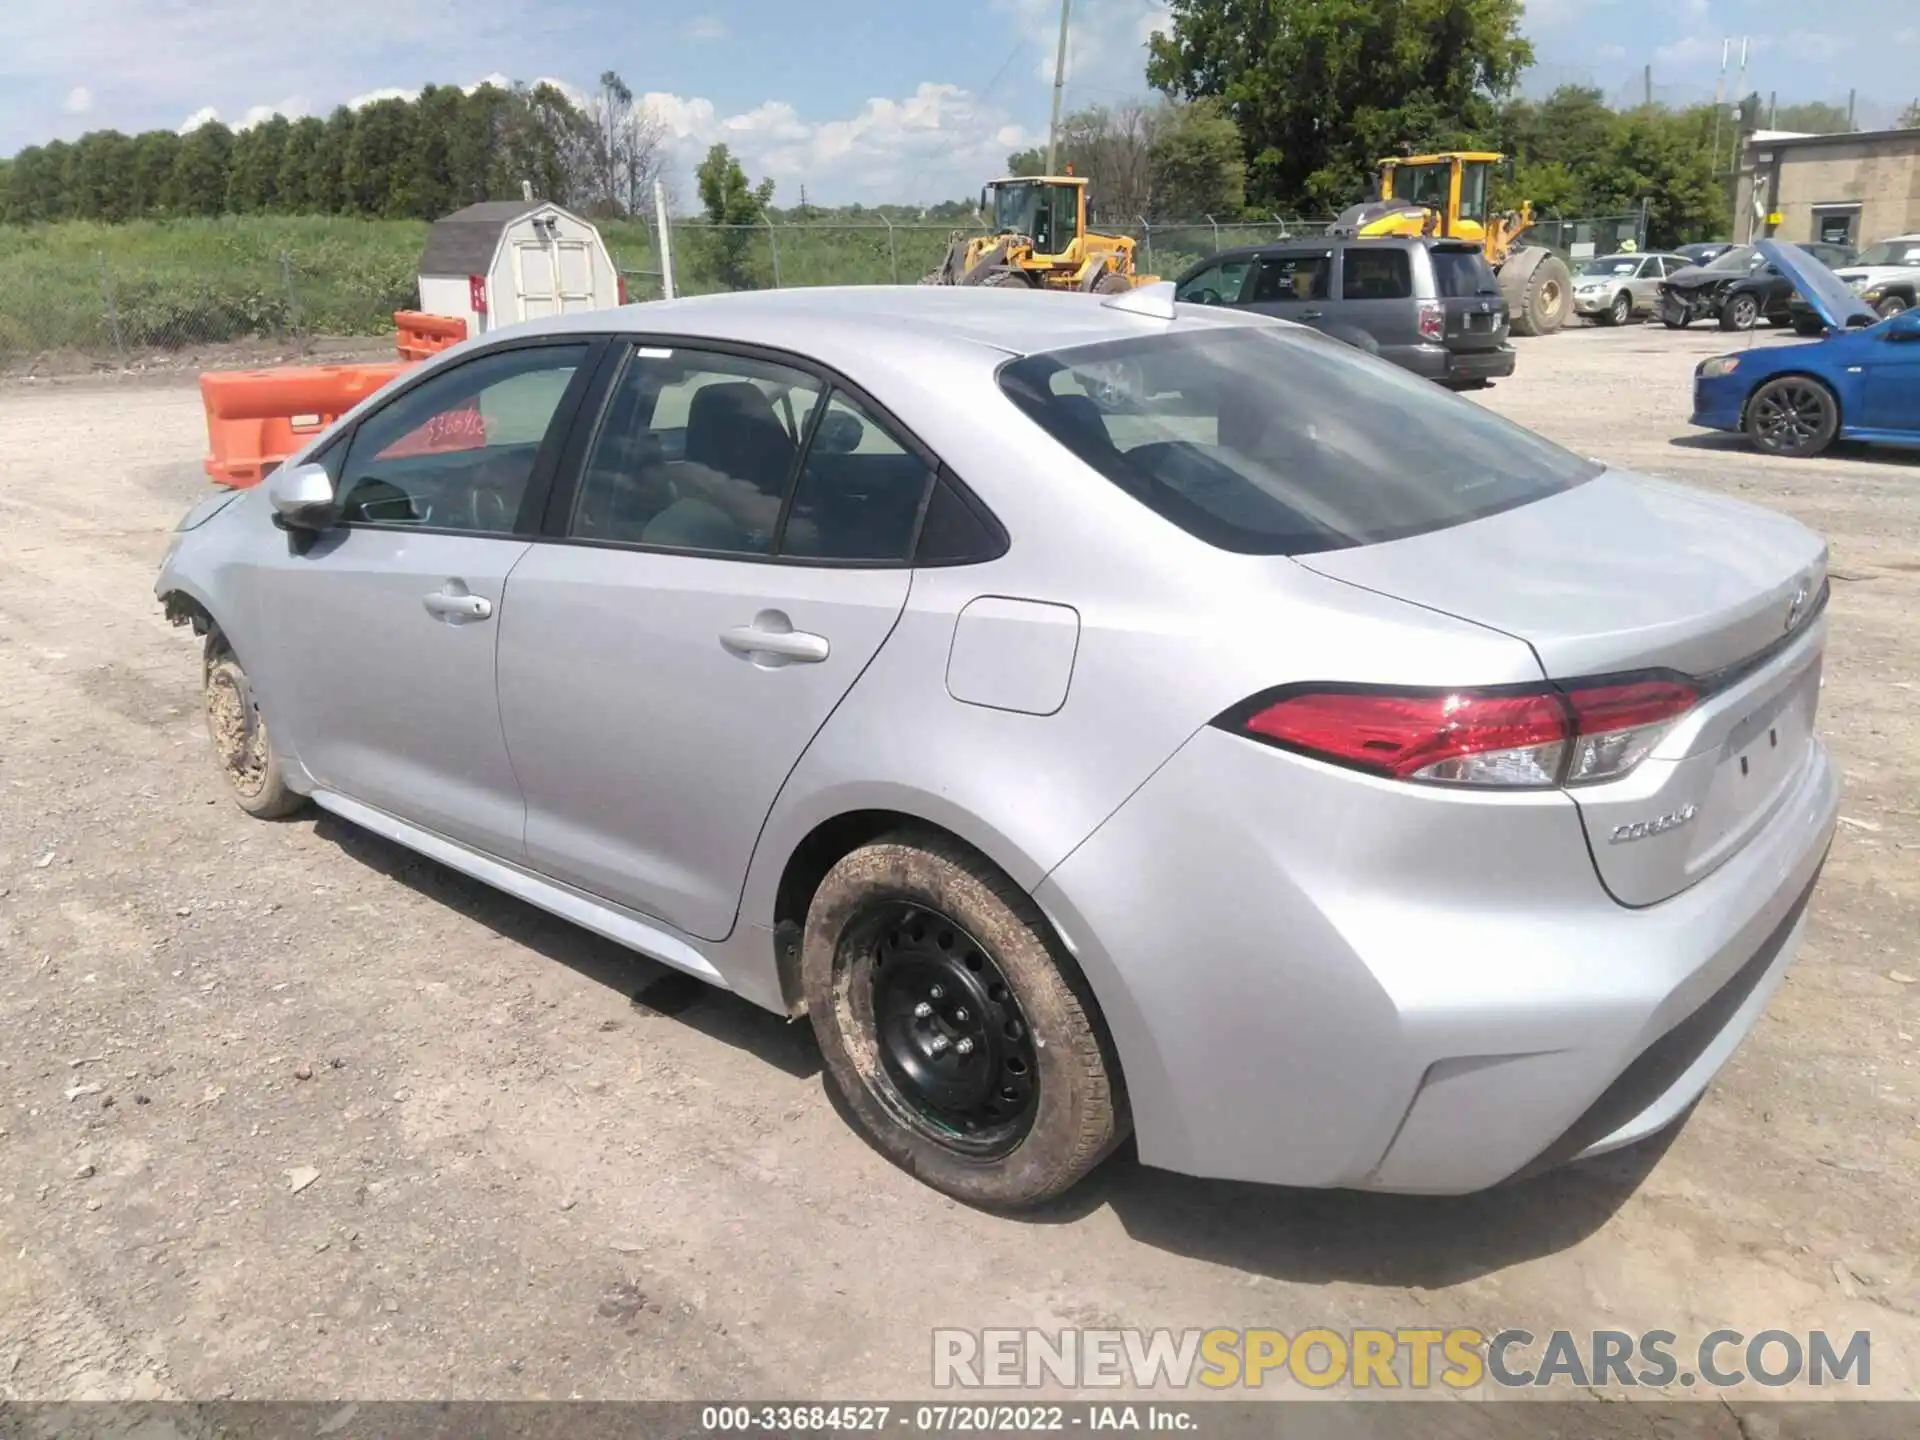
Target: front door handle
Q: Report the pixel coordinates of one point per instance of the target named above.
(1311, 314)
(457, 604)
(771, 641)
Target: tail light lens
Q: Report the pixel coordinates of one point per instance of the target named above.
(1511, 739)
(1433, 321)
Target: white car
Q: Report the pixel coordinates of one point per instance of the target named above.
(1884, 275)
(1612, 289)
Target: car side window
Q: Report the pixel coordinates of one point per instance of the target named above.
(1375, 274)
(1650, 267)
(457, 451)
(1217, 284)
(696, 452)
(860, 491)
(1292, 277)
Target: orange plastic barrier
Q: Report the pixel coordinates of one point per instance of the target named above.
(418, 335)
(256, 418)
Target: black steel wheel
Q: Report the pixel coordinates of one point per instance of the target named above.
(957, 1058)
(959, 1037)
(1794, 415)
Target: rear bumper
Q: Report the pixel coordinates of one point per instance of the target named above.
(1316, 978)
(1436, 362)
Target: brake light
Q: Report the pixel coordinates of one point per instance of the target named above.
(1433, 320)
(1516, 739)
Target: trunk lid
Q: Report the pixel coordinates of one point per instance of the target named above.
(1626, 574)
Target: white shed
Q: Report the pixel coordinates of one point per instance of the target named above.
(503, 261)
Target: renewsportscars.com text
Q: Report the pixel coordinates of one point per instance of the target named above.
(1418, 1359)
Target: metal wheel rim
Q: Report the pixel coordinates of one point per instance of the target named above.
(239, 735)
(1550, 296)
(1745, 313)
(1622, 309)
(956, 1060)
(1790, 415)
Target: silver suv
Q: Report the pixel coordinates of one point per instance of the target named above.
(1429, 306)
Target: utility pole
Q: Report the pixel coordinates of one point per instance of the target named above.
(1719, 99)
(1059, 84)
(1850, 124)
(1646, 79)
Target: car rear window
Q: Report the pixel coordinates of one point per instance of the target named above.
(1458, 274)
(1270, 441)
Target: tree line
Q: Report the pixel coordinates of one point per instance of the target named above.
(389, 159)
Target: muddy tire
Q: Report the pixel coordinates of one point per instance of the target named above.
(964, 1045)
(241, 745)
(1112, 283)
(1006, 280)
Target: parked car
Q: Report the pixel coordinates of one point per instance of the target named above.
(1429, 306)
(1612, 289)
(1862, 382)
(1092, 713)
(1738, 288)
(1704, 251)
(1885, 276)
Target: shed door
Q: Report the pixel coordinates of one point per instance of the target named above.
(534, 289)
(573, 259)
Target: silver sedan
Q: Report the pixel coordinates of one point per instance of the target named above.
(1084, 710)
(1612, 289)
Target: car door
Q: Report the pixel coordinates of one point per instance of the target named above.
(728, 552)
(1376, 295)
(1294, 284)
(1645, 287)
(1890, 392)
(380, 634)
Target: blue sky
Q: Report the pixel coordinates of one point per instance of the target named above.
(855, 99)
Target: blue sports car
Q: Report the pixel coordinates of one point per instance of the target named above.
(1861, 382)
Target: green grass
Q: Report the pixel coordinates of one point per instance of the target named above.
(171, 285)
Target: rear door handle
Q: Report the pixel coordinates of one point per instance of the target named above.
(1311, 314)
(771, 641)
(457, 604)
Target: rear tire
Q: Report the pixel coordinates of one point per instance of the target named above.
(1112, 283)
(242, 745)
(913, 948)
(1741, 312)
(1794, 415)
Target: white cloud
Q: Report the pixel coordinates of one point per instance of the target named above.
(1106, 44)
(496, 79)
(936, 143)
(205, 115)
(79, 101)
(704, 28)
(293, 107)
(385, 92)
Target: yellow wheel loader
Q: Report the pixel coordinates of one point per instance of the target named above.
(1039, 241)
(1447, 195)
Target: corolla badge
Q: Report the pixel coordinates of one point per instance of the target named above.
(1641, 829)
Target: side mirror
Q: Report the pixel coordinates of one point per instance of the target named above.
(301, 495)
(1904, 326)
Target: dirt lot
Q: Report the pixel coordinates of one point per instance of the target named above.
(528, 1185)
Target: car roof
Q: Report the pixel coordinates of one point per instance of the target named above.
(856, 326)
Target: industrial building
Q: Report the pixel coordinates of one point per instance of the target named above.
(1848, 189)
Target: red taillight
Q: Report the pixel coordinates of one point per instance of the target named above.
(1548, 736)
(1433, 321)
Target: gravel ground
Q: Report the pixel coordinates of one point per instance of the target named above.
(286, 1112)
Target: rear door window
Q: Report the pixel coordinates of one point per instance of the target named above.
(1271, 442)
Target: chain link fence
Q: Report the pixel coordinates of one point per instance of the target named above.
(219, 304)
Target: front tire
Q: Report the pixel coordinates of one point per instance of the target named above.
(1620, 311)
(1741, 312)
(1892, 305)
(242, 745)
(949, 1026)
(1794, 415)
